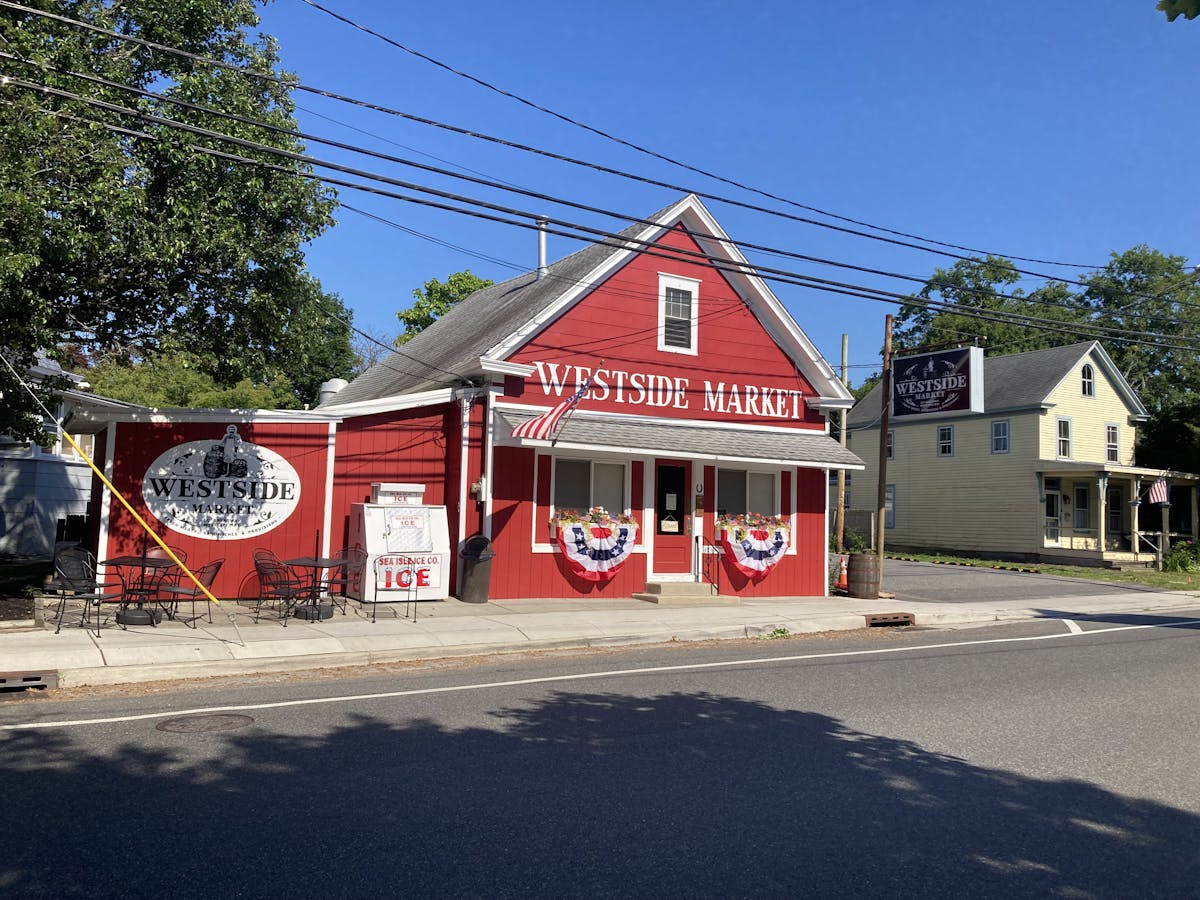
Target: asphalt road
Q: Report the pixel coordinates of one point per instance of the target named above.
(1032, 760)
(968, 584)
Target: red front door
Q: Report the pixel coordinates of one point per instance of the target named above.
(673, 518)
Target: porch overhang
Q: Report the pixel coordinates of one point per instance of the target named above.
(802, 449)
(1076, 468)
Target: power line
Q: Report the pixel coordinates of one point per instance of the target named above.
(652, 153)
(293, 84)
(484, 182)
(524, 220)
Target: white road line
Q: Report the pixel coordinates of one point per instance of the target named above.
(1073, 626)
(584, 676)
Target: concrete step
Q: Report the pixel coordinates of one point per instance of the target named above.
(684, 593)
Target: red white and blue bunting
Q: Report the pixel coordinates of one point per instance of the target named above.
(755, 551)
(596, 551)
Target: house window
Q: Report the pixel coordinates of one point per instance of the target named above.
(1000, 437)
(889, 506)
(1064, 438)
(1112, 443)
(945, 440)
(740, 491)
(1083, 512)
(891, 444)
(677, 314)
(1087, 381)
(580, 484)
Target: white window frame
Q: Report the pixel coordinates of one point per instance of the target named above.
(1112, 448)
(949, 442)
(1084, 491)
(679, 283)
(891, 444)
(777, 486)
(889, 506)
(1087, 381)
(625, 487)
(1006, 437)
(1058, 437)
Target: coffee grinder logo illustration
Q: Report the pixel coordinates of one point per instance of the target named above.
(230, 488)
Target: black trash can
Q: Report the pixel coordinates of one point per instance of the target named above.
(477, 556)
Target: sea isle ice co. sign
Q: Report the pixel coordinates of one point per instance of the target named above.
(226, 488)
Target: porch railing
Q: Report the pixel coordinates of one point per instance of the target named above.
(710, 563)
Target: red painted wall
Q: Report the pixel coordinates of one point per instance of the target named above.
(617, 324)
(303, 445)
(519, 572)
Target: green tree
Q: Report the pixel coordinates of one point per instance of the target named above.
(976, 300)
(117, 241)
(1189, 9)
(178, 378)
(435, 299)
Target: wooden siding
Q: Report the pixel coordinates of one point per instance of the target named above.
(617, 325)
(517, 571)
(1089, 416)
(975, 500)
(305, 446)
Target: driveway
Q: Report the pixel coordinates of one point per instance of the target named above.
(966, 584)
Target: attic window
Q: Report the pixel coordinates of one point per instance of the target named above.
(1087, 381)
(677, 307)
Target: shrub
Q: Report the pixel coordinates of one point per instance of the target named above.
(1183, 557)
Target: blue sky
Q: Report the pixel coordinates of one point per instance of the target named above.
(1061, 131)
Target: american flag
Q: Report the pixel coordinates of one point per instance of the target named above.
(541, 428)
(1158, 491)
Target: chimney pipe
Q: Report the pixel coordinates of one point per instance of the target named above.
(541, 271)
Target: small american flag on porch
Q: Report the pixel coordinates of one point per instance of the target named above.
(1158, 491)
(542, 427)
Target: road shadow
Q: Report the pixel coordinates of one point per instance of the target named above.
(582, 795)
(1159, 620)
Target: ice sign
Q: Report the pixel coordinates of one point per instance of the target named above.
(407, 531)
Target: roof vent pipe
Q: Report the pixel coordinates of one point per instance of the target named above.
(541, 224)
(330, 388)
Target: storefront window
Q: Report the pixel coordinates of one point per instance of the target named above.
(580, 484)
(739, 491)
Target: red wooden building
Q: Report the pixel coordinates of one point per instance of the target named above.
(706, 402)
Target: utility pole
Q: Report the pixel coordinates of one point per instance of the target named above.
(839, 518)
(886, 394)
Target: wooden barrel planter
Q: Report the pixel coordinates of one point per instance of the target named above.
(862, 575)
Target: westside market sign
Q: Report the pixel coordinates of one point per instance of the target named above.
(674, 392)
(946, 381)
(226, 488)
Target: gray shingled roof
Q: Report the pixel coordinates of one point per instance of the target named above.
(694, 442)
(1016, 381)
(447, 352)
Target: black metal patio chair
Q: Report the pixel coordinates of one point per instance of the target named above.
(76, 584)
(174, 594)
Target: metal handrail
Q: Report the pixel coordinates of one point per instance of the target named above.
(710, 563)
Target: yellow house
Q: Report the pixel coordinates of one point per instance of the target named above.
(1045, 472)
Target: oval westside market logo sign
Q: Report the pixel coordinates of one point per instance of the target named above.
(227, 488)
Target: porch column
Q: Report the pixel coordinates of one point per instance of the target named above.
(1133, 515)
(1102, 525)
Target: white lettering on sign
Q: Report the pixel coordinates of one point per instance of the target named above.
(227, 488)
(646, 389)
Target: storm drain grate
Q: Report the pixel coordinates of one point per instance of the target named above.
(884, 620)
(19, 681)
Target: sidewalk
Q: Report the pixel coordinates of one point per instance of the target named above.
(452, 628)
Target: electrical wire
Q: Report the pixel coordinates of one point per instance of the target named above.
(296, 85)
(525, 220)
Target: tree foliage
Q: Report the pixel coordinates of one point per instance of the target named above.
(1148, 302)
(1189, 9)
(122, 241)
(435, 299)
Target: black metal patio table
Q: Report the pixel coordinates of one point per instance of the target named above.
(313, 609)
(138, 589)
